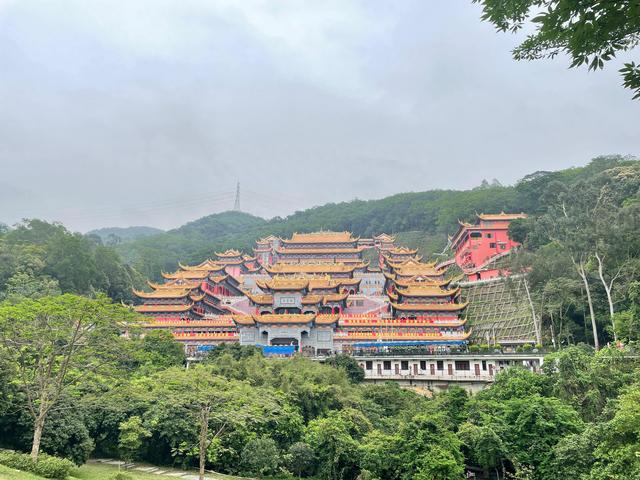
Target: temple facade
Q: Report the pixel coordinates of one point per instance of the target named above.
(477, 247)
(312, 293)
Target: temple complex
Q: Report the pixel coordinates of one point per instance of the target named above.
(314, 293)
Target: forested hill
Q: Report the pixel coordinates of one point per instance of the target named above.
(38, 258)
(430, 215)
(116, 235)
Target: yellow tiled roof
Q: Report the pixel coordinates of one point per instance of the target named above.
(162, 308)
(427, 291)
(318, 251)
(321, 237)
(284, 318)
(164, 293)
(432, 307)
(501, 216)
(310, 268)
(228, 253)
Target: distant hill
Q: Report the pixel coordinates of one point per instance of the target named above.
(115, 235)
(422, 219)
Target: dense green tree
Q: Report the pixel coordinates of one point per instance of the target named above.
(301, 459)
(40, 259)
(161, 349)
(528, 423)
(350, 365)
(334, 439)
(55, 343)
(260, 457)
(131, 438)
(618, 450)
(484, 448)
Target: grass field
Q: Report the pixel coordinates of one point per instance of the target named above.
(98, 471)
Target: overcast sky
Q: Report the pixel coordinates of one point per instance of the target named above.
(147, 112)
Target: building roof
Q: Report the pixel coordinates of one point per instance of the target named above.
(384, 237)
(229, 254)
(401, 251)
(366, 321)
(429, 307)
(318, 251)
(290, 268)
(219, 321)
(312, 299)
(260, 299)
(408, 282)
(283, 283)
(186, 274)
(321, 237)
(335, 297)
(427, 291)
(418, 270)
(286, 318)
(500, 216)
(326, 319)
(243, 319)
(158, 308)
(179, 292)
(208, 265)
(175, 284)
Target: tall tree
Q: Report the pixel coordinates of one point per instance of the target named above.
(55, 343)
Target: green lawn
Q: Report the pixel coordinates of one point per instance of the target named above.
(97, 471)
(7, 473)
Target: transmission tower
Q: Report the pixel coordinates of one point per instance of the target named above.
(236, 204)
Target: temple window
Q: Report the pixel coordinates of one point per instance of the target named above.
(462, 365)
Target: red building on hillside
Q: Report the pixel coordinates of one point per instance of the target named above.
(477, 248)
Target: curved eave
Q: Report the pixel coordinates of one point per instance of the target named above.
(284, 318)
(260, 299)
(160, 294)
(429, 307)
(437, 294)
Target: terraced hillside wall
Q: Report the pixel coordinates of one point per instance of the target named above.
(499, 311)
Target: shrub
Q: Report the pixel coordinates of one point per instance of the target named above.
(46, 466)
(474, 348)
(53, 467)
(121, 476)
(19, 461)
(527, 347)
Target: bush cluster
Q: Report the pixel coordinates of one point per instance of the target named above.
(46, 466)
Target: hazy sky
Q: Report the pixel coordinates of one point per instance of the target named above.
(147, 112)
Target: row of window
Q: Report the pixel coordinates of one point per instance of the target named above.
(460, 365)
